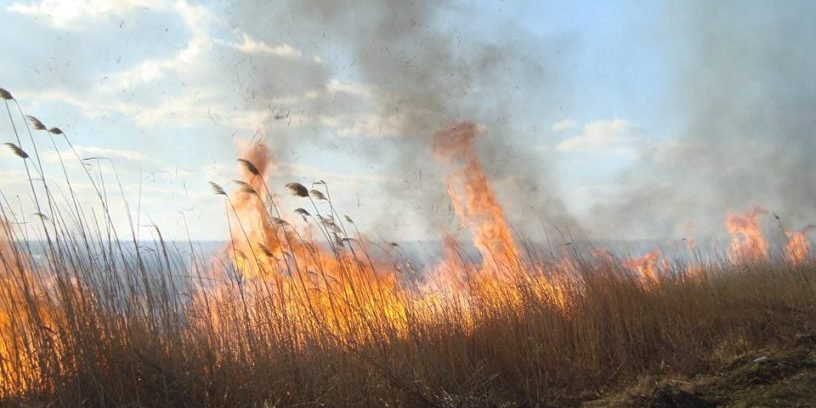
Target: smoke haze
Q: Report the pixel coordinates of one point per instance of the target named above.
(425, 78)
(623, 120)
(745, 92)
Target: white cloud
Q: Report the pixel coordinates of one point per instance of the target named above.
(118, 157)
(251, 46)
(196, 18)
(68, 14)
(368, 125)
(189, 58)
(85, 151)
(192, 64)
(563, 125)
(197, 109)
(351, 88)
(187, 110)
(617, 136)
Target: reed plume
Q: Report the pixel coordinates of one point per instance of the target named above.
(36, 123)
(249, 167)
(245, 187)
(298, 189)
(218, 190)
(17, 150)
(318, 195)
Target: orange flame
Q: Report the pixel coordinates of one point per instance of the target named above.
(476, 206)
(23, 309)
(255, 239)
(647, 267)
(329, 281)
(748, 244)
(798, 246)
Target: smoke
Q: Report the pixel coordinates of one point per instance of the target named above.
(429, 65)
(745, 89)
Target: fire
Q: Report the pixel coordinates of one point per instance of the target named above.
(300, 281)
(694, 273)
(331, 284)
(23, 309)
(748, 244)
(452, 272)
(798, 246)
(315, 272)
(647, 267)
(499, 279)
(255, 240)
(473, 198)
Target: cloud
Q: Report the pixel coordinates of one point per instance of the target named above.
(66, 14)
(616, 136)
(251, 46)
(95, 151)
(191, 57)
(367, 125)
(351, 88)
(563, 125)
(160, 87)
(125, 161)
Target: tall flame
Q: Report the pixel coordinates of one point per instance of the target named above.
(254, 237)
(24, 309)
(328, 281)
(798, 246)
(473, 198)
(748, 244)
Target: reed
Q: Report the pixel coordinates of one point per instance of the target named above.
(286, 319)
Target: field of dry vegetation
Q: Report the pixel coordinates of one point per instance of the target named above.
(299, 310)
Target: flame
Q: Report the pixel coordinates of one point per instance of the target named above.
(748, 244)
(647, 267)
(311, 286)
(798, 246)
(694, 273)
(473, 198)
(255, 240)
(23, 309)
(334, 285)
(329, 282)
(500, 279)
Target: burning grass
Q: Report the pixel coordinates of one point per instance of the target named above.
(299, 309)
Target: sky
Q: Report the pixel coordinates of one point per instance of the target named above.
(626, 119)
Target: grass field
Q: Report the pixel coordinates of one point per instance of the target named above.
(298, 310)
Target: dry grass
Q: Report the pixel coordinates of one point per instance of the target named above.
(104, 320)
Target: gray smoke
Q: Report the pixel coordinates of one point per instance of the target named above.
(433, 64)
(747, 92)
